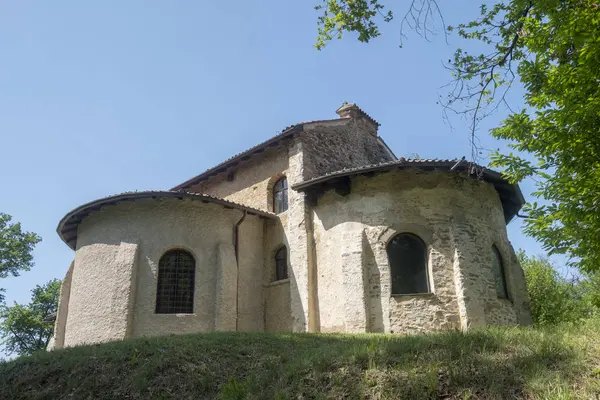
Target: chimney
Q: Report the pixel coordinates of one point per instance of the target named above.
(351, 110)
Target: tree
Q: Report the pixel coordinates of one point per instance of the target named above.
(554, 299)
(16, 248)
(25, 329)
(553, 47)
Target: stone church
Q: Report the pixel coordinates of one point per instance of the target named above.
(320, 228)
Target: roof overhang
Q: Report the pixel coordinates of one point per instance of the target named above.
(275, 141)
(510, 194)
(287, 134)
(67, 227)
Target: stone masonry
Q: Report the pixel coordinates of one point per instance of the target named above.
(348, 196)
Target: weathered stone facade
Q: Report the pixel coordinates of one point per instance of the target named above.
(458, 218)
(343, 209)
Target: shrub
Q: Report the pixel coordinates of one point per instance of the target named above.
(554, 299)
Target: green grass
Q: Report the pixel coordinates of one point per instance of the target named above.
(562, 362)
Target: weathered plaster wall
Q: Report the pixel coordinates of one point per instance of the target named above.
(250, 288)
(277, 294)
(58, 338)
(277, 310)
(105, 285)
(321, 148)
(252, 186)
(345, 143)
(458, 218)
(101, 290)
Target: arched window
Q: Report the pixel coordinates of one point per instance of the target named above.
(280, 195)
(499, 274)
(281, 264)
(407, 255)
(175, 288)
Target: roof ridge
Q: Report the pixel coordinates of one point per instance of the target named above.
(259, 148)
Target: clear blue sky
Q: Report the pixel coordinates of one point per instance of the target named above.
(98, 98)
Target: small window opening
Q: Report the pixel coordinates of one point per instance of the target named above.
(281, 271)
(499, 273)
(280, 196)
(407, 255)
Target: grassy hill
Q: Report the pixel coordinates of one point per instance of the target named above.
(562, 362)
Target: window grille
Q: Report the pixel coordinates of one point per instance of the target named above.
(175, 288)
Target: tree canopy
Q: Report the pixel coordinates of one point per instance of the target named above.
(16, 248)
(553, 47)
(25, 329)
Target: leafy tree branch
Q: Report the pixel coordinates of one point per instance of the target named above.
(25, 329)
(553, 48)
(16, 248)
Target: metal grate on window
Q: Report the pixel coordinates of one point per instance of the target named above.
(175, 288)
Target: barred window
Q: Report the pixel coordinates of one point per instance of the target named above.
(280, 196)
(499, 273)
(407, 255)
(175, 288)
(281, 264)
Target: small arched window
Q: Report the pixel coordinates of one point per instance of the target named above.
(281, 264)
(175, 288)
(280, 195)
(499, 273)
(407, 255)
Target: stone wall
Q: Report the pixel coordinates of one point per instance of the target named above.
(252, 186)
(110, 280)
(340, 144)
(252, 179)
(322, 147)
(277, 293)
(458, 218)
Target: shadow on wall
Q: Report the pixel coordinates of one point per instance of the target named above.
(378, 209)
(283, 309)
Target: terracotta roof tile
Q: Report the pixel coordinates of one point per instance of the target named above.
(510, 194)
(67, 227)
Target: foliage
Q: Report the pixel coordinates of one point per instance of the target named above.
(552, 298)
(24, 329)
(350, 16)
(16, 247)
(361, 16)
(493, 363)
(553, 46)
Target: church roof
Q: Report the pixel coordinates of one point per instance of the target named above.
(67, 227)
(346, 112)
(510, 194)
